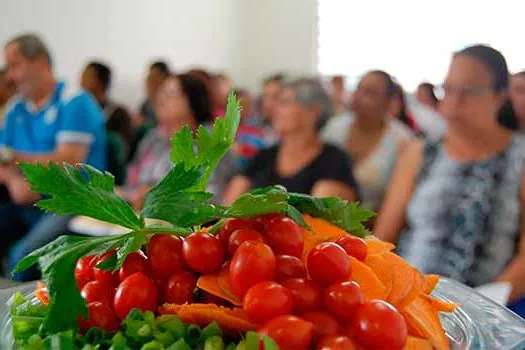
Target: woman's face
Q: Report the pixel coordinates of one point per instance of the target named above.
(371, 99)
(469, 102)
(423, 96)
(517, 95)
(291, 117)
(170, 103)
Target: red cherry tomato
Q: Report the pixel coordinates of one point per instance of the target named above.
(242, 235)
(378, 325)
(203, 252)
(328, 263)
(342, 298)
(165, 255)
(106, 276)
(354, 246)
(264, 219)
(231, 225)
(337, 343)
(306, 295)
(179, 289)
(101, 316)
(84, 270)
(289, 332)
(288, 267)
(324, 323)
(135, 262)
(284, 236)
(98, 291)
(253, 262)
(267, 300)
(136, 291)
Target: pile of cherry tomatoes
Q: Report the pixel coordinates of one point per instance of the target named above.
(300, 307)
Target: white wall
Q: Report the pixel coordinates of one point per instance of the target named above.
(129, 34)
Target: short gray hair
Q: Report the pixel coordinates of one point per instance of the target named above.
(309, 93)
(31, 47)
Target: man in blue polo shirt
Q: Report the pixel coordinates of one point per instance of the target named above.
(47, 121)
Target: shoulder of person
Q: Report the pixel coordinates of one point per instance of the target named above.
(13, 104)
(400, 130)
(72, 95)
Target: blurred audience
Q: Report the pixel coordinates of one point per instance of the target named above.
(517, 98)
(220, 87)
(371, 138)
(181, 100)
(157, 73)
(7, 90)
(301, 161)
(338, 94)
(49, 121)
(399, 110)
(271, 91)
(456, 205)
(425, 94)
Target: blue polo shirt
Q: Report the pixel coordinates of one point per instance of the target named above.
(68, 117)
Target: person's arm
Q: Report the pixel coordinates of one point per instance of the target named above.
(239, 185)
(333, 188)
(19, 189)
(514, 273)
(392, 215)
(64, 152)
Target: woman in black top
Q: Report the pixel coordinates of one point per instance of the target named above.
(300, 162)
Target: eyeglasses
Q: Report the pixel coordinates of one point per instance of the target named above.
(461, 91)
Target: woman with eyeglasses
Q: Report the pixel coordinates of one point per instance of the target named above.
(455, 206)
(370, 136)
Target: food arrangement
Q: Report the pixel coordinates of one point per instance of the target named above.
(275, 270)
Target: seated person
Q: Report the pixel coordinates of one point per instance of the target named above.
(300, 162)
(48, 122)
(370, 136)
(181, 100)
(157, 73)
(425, 95)
(457, 205)
(517, 99)
(7, 90)
(400, 112)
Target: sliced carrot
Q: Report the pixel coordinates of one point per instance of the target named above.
(418, 285)
(377, 246)
(370, 284)
(403, 278)
(382, 270)
(41, 293)
(230, 320)
(415, 343)
(413, 329)
(218, 284)
(420, 315)
(323, 231)
(440, 305)
(430, 283)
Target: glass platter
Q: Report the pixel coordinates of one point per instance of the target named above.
(479, 323)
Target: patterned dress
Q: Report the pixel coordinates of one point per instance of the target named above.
(464, 218)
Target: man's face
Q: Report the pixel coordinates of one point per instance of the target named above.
(89, 80)
(21, 70)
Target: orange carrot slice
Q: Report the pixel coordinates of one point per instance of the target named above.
(440, 305)
(430, 283)
(219, 285)
(376, 246)
(418, 285)
(415, 343)
(370, 284)
(41, 293)
(230, 320)
(420, 315)
(323, 232)
(403, 278)
(382, 270)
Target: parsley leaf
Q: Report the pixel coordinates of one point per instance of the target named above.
(209, 147)
(347, 216)
(81, 190)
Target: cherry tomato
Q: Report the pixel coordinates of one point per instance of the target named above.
(136, 291)
(342, 298)
(337, 343)
(203, 252)
(288, 267)
(328, 263)
(377, 324)
(179, 289)
(84, 270)
(264, 219)
(284, 236)
(101, 316)
(306, 295)
(242, 235)
(165, 255)
(98, 291)
(324, 323)
(106, 276)
(231, 225)
(135, 262)
(354, 246)
(289, 332)
(267, 300)
(253, 262)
